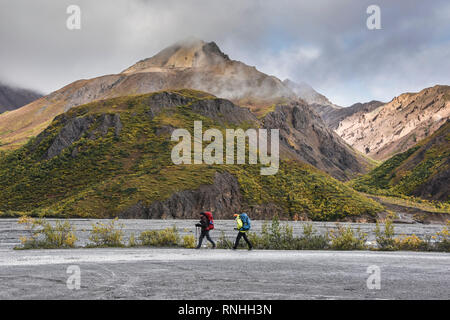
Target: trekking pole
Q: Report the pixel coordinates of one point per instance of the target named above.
(196, 239)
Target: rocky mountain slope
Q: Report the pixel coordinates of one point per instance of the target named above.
(308, 94)
(191, 64)
(421, 171)
(304, 136)
(12, 98)
(330, 113)
(399, 124)
(333, 116)
(203, 66)
(113, 158)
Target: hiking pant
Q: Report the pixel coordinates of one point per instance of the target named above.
(238, 238)
(205, 233)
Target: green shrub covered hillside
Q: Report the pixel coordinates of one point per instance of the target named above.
(112, 158)
(421, 171)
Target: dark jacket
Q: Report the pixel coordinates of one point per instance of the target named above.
(204, 222)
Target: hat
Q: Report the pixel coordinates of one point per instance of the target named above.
(235, 215)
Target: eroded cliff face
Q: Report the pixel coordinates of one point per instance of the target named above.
(305, 137)
(399, 124)
(76, 128)
(333, 116)
(223, 197)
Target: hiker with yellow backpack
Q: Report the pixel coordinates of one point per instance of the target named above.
(243, 225)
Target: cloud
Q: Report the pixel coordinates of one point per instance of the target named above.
(325, 42)
(288, 61)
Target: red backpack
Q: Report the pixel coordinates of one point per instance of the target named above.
(211, 220)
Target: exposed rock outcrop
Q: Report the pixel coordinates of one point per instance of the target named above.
(399, 124)
(223, 111)
(76, 128)
(108, 121)
(304, 136)
(333, 116)
(71, 132)
(223, 198)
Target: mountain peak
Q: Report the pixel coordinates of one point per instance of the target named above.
(12, 97)
(188, 53)
(307, 93)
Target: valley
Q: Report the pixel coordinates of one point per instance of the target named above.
(100, 148)
(225, 154)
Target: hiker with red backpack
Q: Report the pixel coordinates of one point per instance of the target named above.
(206, 224)
(243, 225)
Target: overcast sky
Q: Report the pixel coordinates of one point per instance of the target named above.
(323, 42)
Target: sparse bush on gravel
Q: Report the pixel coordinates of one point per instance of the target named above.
(345, 238)
(387, 242)
(43, 235)
(385, 238)
(107, 235)
(310, 240)
(189, 241)
(411, 243)
(161, 238)
(132, 240)
(276, 236)
(442, 239)
(273, 236)
(225, 243)
(280, 237)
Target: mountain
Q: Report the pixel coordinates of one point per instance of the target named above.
(421, 171)
(330, 113)
(398, 125)
(203, 66)
(12, 98)
(308, 94)
(304, 136)
(333, 116)
(113, 158)
(190, 64)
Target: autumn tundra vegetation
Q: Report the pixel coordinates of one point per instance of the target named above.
(275, 235)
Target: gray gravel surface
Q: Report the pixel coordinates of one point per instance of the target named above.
(142, 273)
(222, 274)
